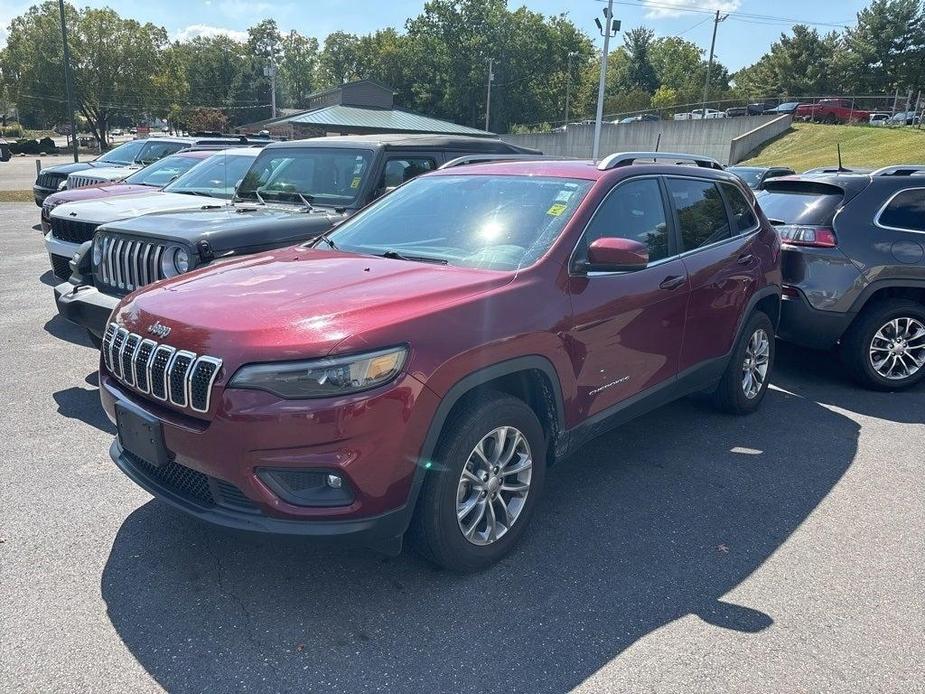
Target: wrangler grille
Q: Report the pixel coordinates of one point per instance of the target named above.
(183, 378)
(128, 264)
(82, 180)
(50, 180)
(71, 230)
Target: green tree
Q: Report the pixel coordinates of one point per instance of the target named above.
(640, 74)
(886, 50)
(339, 59)
(297, 68)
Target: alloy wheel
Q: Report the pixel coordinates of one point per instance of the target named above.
(494, 485)
(897, 350)
(756, 363)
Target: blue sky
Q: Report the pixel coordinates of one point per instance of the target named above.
(741, 40)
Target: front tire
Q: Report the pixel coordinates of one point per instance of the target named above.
(885, 348)
(745, 381)
(480, 494)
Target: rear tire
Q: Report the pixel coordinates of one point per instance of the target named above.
(745, 381)
(893, 327)
(442, 530)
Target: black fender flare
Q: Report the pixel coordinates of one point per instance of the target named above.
(861, 301)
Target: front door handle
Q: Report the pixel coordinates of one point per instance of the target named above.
(672, 281)
(745, 259)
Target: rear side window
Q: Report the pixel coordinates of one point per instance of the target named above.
(743, 216)
(906, 210)
(701, 212)
(800, 202)
(397, 171)
(632, 211)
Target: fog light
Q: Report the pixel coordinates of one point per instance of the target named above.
(308, 487)
(335, 482)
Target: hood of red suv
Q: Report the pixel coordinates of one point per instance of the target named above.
(297, 302)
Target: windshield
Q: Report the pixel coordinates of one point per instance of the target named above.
(155, 150)
(162, 172)
(123, 154)
(750, 175)
(800, 203)
(216, 176)
(490, 222)
(332, 177)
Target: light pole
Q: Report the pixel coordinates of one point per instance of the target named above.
(67, 82)
(706, 86)
(491, 78)
(270, 71)
(568, 83)
(610, 28)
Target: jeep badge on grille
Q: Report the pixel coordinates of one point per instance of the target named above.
(159, 329)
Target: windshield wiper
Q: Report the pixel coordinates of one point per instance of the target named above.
(193, 192)
(324, 237)
(306, 201)
(259, 197)
(395, 255)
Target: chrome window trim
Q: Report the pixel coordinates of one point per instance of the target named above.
(176, 355)
(584, 231)
(887, 204)
(218, 367)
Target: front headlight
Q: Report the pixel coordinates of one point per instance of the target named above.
(63, 185)
(323, 378)
(174, 261)
(97, 251)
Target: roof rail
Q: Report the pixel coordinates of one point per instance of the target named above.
(626, 158)
(899, 170)
(482, 158)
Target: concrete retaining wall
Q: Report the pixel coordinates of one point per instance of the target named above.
(712, 138)
(744, 144)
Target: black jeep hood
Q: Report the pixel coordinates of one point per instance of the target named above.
(80, 166)
(231, 228)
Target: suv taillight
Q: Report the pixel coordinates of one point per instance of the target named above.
(804, 235)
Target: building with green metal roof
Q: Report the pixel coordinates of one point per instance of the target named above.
(363, 107)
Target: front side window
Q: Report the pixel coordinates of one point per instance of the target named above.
(332, 177)
(162, 172)
(123, 154)
(216, 176)
(743, 216)
(155, 150)
(477, 221)
(905, 211)
(398, 171)
(701, 212)
(635, 211)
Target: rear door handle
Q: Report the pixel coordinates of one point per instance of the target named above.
(745, 259)
(672, 282)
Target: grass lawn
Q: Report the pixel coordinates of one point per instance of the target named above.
(16, 196)
(807, 145)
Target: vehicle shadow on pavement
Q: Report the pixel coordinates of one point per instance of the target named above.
(63, 329)
(48, 279)
(655, 521)
(803, 371)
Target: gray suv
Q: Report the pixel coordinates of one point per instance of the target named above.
(854, 268)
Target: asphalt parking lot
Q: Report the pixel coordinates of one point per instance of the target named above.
(685, 552)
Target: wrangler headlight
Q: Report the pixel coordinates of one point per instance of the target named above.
(323, 378)
(97, 251)
(174, 261)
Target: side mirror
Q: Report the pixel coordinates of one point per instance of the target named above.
(609, 254)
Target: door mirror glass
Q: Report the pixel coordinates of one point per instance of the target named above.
(613, 254)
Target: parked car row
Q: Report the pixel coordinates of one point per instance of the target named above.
(458, 314)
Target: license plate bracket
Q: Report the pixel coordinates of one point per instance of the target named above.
(141, 435)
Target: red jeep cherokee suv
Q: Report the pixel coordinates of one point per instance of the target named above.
(419, 366)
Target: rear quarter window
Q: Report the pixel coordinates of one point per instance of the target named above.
(905, 210)
(800, 202)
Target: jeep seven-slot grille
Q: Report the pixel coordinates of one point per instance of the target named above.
(128, 264)
(71, 230)
(50, 180)
(183, 378)
(82, 181)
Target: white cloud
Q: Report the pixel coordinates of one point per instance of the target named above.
(659, 9)
(194, 30)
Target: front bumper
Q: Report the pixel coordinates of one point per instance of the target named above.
(804, 325)
(371, 440)
(85, 305)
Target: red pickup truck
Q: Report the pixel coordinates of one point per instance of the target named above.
(832, 111)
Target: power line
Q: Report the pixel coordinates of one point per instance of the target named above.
(745, 15)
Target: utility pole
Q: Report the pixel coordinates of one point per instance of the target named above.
(568, 83)
(270, 71)
(491, 78)
(609, 28)
(67, 81)
(706, 86)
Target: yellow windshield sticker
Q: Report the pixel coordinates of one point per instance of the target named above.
(556, 209)
(355, 183)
